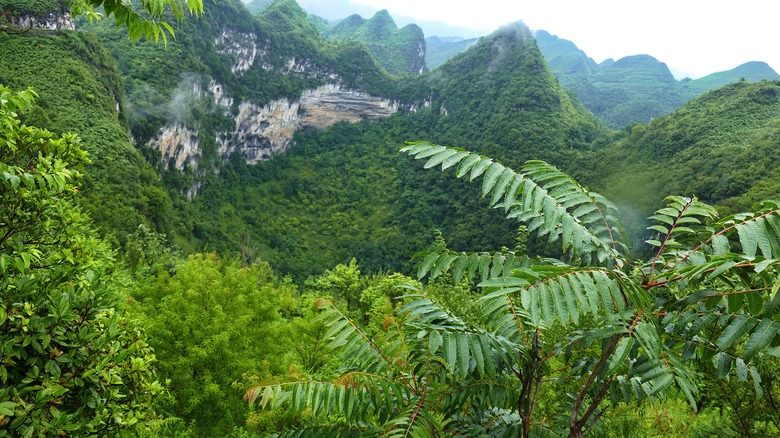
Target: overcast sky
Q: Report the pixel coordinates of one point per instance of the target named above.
(693, 37)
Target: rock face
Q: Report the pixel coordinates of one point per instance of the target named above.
(241, 46)
(50, 21)
(263, 131)
(178, 146)
(329, 104)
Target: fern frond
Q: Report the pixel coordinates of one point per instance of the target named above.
(353, 397)
(463, 349)
(344, 334)
(682, 220)
(758, 232)
(654, 368)
(467, 265)
(550, 293)
(549, 201)
(417, 419)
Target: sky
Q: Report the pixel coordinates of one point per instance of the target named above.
(693, 37)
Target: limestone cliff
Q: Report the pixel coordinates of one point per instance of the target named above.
(178, 146)
(241, 46)
(50, 21)
(263, 131)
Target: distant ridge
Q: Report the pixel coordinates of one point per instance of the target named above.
(399, 51)
(635, 88)
(440, 49)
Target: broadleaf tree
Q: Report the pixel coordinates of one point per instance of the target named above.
(147, 22)
(595, 322)
(70, 362)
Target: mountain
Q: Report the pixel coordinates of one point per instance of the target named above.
(721, 147)
(439, 49)
(80, 91)
(635, 88)
(749, 71)
(564, 58)
(261, 136)
(346, 192)
(632, 89)
(399, 51)
(256, 138)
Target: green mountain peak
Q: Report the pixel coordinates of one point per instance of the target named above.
(399, 51)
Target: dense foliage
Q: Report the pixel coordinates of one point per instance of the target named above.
(79, 91)
(69, 362)
(32, 7)
(399, 51)
(210, 324)
(345, 193)
(596, 321)
(299, 286)
(721, 147)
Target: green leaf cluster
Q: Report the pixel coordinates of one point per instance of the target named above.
(70, 364)
(611, 328)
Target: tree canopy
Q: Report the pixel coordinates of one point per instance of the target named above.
(145, 22)
(595, 322)
(70, 363)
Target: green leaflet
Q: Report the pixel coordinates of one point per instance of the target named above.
(738, 327)
(648, 338)
(742, 371)
(479, 168)
(722, 363)
(621, 353)
(760, 338)
(440, 157)
(435, 341)
(477, 354)
(756, 377)
(464, 357)
(426, 265)
(499, 190)
(747, 238)
(720, 245)
(467, 164)
(491, 177)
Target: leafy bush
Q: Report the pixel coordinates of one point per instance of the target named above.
(70, 364)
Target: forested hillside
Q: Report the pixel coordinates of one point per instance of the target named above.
(720, 147)
(80, 91)
(635, 88)
(346, 193)
(399, 51)
(231, 244)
